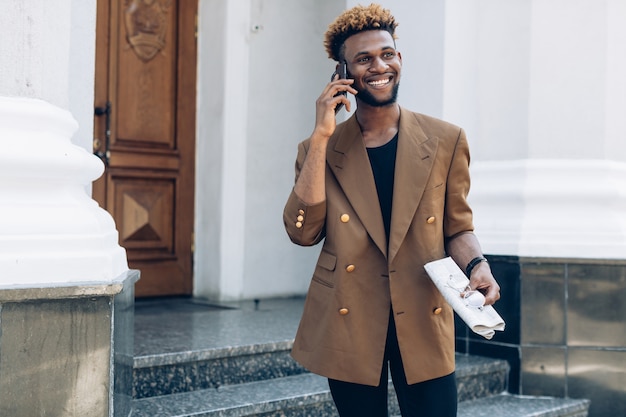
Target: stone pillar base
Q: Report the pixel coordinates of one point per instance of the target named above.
(67, 350)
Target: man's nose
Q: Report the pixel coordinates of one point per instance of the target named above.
(379, 65)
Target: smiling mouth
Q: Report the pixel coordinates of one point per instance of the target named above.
(379, 83)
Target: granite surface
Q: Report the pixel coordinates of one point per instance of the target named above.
(523, 406)
(187, 345)
(123, 348)
(193, 358)
(67, 350)
(63, 291)
(215, 373)
(171, 335)
(478, 377)
(308, 393)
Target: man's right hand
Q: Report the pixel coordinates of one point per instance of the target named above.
(330, 98)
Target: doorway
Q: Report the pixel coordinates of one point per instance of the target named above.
(144, 131)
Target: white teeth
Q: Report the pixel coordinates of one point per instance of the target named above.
(379, 82)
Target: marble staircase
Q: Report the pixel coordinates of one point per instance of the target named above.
(197, 359)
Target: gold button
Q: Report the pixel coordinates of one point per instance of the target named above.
(300, 218)
(298, 225)
(300, 211)
(350, 268)
(430, 220)
(343, 311)
(345, 218)
(437, 310)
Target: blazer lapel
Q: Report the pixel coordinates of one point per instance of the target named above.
(348, 160)
(414, 161)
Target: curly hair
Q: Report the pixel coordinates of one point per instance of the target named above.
(355, 20)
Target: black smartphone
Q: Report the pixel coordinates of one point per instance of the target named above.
(342, 70)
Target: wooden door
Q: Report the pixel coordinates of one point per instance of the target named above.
(144, 130)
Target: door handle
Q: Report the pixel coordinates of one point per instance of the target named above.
(106, 154)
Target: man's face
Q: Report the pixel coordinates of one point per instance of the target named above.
(375, 65)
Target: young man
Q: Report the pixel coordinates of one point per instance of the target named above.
(386, 191)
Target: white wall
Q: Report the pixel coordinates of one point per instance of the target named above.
(213, 47)
(52, 232)
(568, 65)
(30, 68)
(487, 58)
(261, 67)
(288, 70)
(540, 97)
(81, 70)
(537, 84)
(63, 75)
(615, 82)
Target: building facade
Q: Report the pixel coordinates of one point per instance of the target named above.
(537, 85)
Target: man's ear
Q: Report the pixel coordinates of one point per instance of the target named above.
(400, 57)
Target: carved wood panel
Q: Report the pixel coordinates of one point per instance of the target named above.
(147, 26)
(145, 207)
(146, 93)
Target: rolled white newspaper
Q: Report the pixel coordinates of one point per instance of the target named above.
(451, 282)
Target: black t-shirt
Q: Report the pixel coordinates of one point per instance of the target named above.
(383, 161)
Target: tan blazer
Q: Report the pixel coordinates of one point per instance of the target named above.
(357, 278)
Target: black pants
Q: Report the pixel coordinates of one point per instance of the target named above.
(434, 398)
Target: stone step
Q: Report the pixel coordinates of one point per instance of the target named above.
(197, 360)
(193, 371)
(188, 345)
(180, 349)
(214, 368)
(506, 405)
(308, 395)
(249, 390)
(297, 395)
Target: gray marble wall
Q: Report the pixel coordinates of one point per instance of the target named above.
(566, 329)
(60, 346)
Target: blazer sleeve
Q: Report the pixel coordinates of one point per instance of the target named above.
(458, 217)
(304, 223)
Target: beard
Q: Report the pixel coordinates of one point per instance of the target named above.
(368, 98)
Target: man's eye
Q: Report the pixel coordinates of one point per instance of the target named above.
(363, 59)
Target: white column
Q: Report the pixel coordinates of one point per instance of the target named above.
(222, 149)
(546, 125)
(51, 231)
(66, 294)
